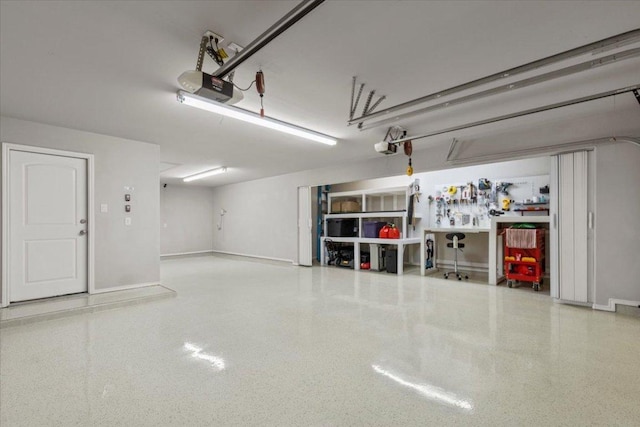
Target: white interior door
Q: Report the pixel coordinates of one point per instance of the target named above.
(47, 225)
(305, 224)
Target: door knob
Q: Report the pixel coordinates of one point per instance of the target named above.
(83, 232)
(83, 221)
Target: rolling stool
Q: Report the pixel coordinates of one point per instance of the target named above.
(455, 239)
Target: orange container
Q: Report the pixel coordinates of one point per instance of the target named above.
(394, 233)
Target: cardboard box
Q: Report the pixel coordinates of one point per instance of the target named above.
(350, 206)
(336, 206)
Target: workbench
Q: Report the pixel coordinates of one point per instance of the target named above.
(435, 232)
(494, 242)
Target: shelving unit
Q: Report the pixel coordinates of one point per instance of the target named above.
(387, 204)
(532, 207)
(361, 216)
(387, 199)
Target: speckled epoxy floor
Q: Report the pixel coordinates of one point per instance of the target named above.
(258, 343)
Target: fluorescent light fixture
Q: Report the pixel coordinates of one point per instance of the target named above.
(251, 117)
(205, 174)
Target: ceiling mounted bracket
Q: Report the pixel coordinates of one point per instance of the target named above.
(355, 100)
(201, 52)
(636, 94)
(611, 42)
(452, 148)
(536, 110)
(510, 87)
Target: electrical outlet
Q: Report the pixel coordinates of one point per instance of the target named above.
(210, 33)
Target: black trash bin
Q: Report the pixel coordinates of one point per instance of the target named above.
(391, 260)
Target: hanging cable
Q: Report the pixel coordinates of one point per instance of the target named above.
(213, 53)
(243, 90)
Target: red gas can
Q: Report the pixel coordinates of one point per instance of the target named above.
(384, 232)
(394, 233)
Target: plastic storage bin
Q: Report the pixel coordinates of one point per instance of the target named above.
(371, 229)
(342, 227)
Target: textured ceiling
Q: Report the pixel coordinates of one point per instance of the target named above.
(111, 68)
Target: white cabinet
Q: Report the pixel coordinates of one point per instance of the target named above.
(388, 205)
(572, 228)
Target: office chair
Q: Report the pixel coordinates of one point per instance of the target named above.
(456, 245)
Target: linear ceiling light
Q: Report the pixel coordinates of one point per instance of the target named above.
(250, 117)
(205, 174)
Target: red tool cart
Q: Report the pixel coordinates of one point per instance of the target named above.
(524, 256)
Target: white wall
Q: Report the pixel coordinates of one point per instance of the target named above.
(187, 219)
(125, 255)
(261, 218)
(262, 214)
(617, 218)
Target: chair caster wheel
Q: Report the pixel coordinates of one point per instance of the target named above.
(510, 283)
(466, 277)
(446, 275)
(459, 278)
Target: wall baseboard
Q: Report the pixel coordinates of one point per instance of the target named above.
(613, 302)
(124, 288)
(576, 303)
(253, 256)
(208, 251)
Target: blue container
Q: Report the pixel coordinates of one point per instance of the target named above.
(371, 229)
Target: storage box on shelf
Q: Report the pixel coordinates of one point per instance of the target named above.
(377, 207)
(371, 229)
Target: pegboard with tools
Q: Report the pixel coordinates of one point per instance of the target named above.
(473, 203)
